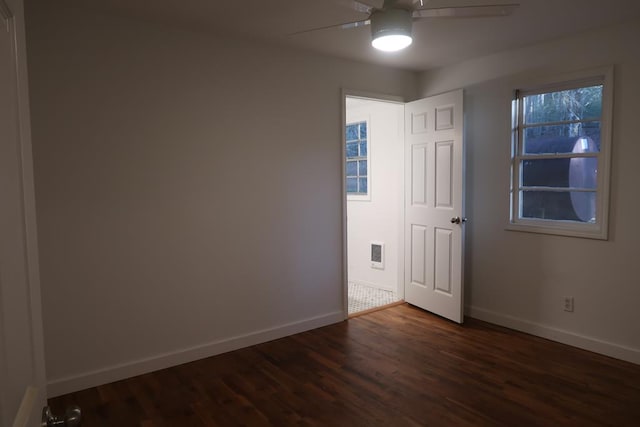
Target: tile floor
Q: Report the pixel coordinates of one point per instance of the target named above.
(365, 297)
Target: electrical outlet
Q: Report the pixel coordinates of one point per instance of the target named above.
(568, 304)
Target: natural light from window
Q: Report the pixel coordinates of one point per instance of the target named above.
(357, 165)
(558, 158)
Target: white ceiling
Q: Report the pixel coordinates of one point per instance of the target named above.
(436, 42)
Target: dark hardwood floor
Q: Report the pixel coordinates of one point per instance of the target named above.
(395, 367)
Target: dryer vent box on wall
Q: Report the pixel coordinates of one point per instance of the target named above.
(377, 255)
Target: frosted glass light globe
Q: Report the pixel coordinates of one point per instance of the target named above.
(392, 42)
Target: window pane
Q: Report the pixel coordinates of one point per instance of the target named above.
(569, 138)
(352, 132)
(363, 149)
(564, 206)
(362, 168)
(362, 185)
(573, 104)
(352, 168)
(352, 149)
(352, 185)
(575, 173)
(583, 173)
(363, 130)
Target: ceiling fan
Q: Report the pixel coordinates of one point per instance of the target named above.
(391, 20)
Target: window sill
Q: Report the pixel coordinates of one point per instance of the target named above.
(358, 197)
(567, 230)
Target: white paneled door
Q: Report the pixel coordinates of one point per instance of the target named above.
(22, 388)
(434, 221)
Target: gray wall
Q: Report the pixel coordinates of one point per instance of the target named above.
(188, 190)
(518, 279)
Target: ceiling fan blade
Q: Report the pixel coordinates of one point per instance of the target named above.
(363, 6)
(376, 4)
(356, 24)
(345, 25)
(466, 11)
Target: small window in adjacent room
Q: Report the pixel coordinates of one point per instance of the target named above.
(560, 165)
(357, 159)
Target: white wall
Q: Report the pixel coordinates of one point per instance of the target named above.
(519, 279)
(188, 190)
(377, 218)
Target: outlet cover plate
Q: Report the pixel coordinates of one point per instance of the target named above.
(568, 304)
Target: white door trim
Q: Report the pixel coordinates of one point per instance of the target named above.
(34, 395)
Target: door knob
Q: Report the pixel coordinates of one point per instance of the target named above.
(458, 220)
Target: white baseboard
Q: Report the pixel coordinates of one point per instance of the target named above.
(562, 336)
(60, 386)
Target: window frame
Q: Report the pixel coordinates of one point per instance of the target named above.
(358, 196)
(598, 229)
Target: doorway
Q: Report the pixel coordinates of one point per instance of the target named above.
(373, 156)
(404, 202)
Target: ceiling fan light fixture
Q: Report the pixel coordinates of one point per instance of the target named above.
(391, 29)
(392, 43)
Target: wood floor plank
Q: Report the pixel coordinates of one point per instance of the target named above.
(397, 367)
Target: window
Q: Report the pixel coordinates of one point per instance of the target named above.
(357, 159)
(560, 158)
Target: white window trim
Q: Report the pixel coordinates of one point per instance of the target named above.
(360, 197)
(598, 230)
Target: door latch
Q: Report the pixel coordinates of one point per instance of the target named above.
(72, 417)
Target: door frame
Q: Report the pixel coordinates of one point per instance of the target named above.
(35, 395)
(345, 261)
